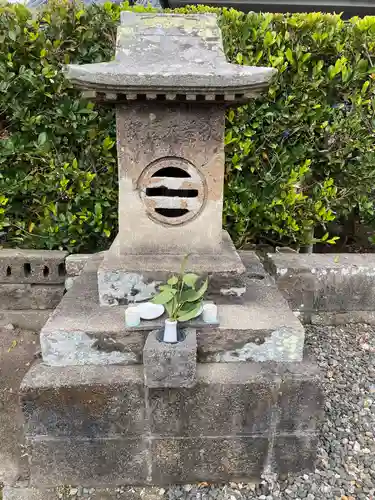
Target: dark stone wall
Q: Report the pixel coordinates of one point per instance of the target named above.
(99, 425)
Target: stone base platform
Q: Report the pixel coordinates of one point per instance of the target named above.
(124, 278)
(258, 326)
(100, 426)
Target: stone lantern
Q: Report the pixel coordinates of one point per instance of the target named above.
(110, 406)
(170, 83)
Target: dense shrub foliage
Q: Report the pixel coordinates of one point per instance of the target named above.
(297, 158)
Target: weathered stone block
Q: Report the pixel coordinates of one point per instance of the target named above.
(194, 459)
(259, 328)
(170, 365)
(81, 332)
(183, 137)
(262, 328)
(222, 429)
(89, 462)
(325, 282)
(229, 399)
(17, 350)
(129, 278)
(254, 267)
(32, 266)
(74, 263)
(27, 296)
(294, 453)
(105, 401)
(69, 282)
(300, 403)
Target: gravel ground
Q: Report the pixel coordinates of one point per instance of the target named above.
(345, 469)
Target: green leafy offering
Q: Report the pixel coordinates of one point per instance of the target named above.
(182, 296)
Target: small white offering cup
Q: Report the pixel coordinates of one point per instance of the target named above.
(210, 313)
(132, 316)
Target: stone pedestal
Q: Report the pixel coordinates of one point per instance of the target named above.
(100, 426)
(170, 365)
(124, 278)
(258, 326)
(255, 404)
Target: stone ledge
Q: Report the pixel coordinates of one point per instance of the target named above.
(28, 296)
(326, 284)
(257, 327)
(74, 263)
(27, 493)
(127, 277)
(32, 266)
(340, 318)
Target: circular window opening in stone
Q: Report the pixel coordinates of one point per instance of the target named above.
(172, 190)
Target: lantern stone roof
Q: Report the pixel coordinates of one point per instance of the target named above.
(168, 57)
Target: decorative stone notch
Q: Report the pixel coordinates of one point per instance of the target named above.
(170, 82)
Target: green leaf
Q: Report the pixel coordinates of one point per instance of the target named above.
(79, 14)
(167, 288)
(289, 55)
(268, 39)
(194, 295)
(239, 58)
(170, 307)
(190, 279)
(190, 314)
(332, 241)
(163, 297)
(42, 138)
(173, 280)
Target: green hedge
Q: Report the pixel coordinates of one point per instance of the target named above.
(297, 158)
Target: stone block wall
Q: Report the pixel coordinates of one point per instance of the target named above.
(31, 286)
(327, 288)
(320, 288)
(239, 420)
